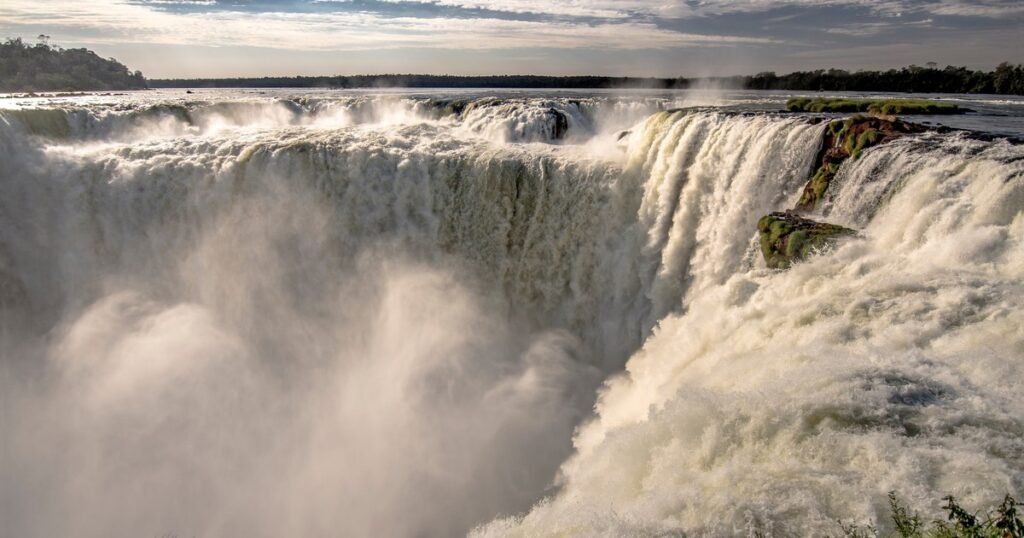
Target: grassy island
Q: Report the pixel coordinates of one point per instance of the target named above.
(886, 107)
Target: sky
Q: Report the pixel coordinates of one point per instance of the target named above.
(665, 38)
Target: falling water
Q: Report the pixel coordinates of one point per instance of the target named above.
(409, 316)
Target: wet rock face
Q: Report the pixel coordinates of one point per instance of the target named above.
(787, 238)
(561, 124)
(845, 139)
(449, 107)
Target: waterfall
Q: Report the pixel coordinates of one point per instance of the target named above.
(407, 316)
(781, 402)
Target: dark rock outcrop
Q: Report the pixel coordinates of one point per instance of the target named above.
(449, 107)
(787, 238)
(561, 124)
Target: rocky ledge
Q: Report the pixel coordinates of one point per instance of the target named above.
(787, 238)
(847, 139)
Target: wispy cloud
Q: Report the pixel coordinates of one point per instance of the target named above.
(875, 28)
(703, 8)
(112, 21)
(592, 35)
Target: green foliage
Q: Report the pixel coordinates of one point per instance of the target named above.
(1005, 79)
(849, 144)
(907, 523)
(799, 104)
(962, 520)
(866, 139)
(1001, 522)
(886, 106)
(1009, 520)
(846, 139)
(26, 68)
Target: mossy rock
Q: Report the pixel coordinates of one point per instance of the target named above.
(787, 238)
(846, 139)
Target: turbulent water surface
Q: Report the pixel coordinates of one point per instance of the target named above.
(509, 314)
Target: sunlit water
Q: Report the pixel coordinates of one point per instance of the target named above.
(321, 313)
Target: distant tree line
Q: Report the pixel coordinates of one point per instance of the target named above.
(41, 67)
(1005, 79)
(426, 81)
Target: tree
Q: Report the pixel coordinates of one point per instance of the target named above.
(45, 68)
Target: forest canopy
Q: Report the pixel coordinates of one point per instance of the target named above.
(1004, 79)
(41, 67)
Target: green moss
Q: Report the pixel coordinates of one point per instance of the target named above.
(848, 144)
(796, 243)
(797, 104)
(845, 139)
(866, 139)
(818, 185)
(874, 106)
(787, 238)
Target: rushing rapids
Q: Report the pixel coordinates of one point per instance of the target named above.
(386, 315)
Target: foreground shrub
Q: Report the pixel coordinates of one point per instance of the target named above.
(1002, 521)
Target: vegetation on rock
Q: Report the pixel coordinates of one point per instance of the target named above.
(1003, 521)
(787, 238)
(40, 67)
(874, 106)
(846, 139)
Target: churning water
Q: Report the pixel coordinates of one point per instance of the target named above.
(393, 314)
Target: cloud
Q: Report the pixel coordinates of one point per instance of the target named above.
(988, 9)
(705, 8)
(575, 36)
(593, 9)
(475, 24)
(875, 28)
(111, 21)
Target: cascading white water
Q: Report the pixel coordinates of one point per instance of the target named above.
(780, 402)
(510, 120)
(380, 317)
